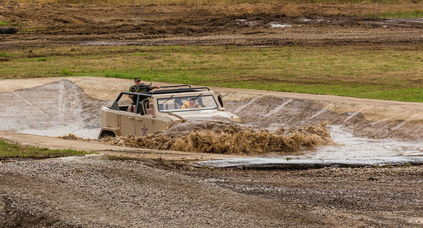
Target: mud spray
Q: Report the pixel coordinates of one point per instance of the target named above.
(285, 130)
(229, 138)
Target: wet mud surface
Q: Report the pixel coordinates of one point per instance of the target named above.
(203, 25)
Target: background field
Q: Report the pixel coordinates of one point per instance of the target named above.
(380, 72)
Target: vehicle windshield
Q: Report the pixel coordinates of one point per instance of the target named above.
(175, 104)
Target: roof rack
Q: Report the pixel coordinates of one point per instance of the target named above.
(178, 90)
(163, 91)
(175, 86)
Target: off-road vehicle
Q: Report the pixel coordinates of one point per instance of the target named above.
(155, 111)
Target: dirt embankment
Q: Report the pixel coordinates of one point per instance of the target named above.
(245, 24)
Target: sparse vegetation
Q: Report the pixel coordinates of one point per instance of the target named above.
(3, 23)
(8, 150)
(406, 14)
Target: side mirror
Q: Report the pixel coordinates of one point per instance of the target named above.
(220, 99)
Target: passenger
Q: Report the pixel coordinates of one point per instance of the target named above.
(138, 87)
(190, 103)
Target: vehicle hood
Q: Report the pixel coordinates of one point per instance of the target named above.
(206, 114)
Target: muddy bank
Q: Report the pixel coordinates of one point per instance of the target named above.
(229, 138)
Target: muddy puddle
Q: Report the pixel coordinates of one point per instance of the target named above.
(279, 130)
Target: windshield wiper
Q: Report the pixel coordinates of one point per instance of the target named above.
(197, 97)
(167, 99)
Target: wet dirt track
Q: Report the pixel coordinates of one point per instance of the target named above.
(249, 25)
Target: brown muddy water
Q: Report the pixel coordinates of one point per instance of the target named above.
(283, 129)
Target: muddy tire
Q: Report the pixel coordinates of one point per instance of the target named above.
(8, 30)
(104, 134)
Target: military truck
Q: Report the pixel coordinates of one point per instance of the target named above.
(141, 114)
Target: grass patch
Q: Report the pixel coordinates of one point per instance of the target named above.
(409, 14)
(3, 23)
(8, 150)
(394, 73)
(33, 29)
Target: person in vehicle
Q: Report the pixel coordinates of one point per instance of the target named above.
(190, 103)
(138, 87)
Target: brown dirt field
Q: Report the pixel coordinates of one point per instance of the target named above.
(243, 24)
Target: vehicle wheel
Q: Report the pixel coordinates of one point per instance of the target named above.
(104, 134)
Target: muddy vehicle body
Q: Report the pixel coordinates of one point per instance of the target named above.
(141, 114)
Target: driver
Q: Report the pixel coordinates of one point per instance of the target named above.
(190, 103)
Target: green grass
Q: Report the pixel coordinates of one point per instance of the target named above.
(394, 73)
(8, 150)
(3, 23)
(409, 14)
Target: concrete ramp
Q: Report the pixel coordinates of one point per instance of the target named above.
(58, 105)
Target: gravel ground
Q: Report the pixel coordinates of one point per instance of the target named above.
(93, 191)
(376, 197)
(96, 192)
